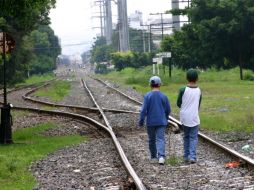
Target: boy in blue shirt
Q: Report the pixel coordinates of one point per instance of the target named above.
(155, 109)
(188, 101)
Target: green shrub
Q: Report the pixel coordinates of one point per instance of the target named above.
(248, 76)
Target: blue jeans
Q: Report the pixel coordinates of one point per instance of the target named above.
(190, 139)
(156, 135)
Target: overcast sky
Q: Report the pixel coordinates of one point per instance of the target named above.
(72, 20)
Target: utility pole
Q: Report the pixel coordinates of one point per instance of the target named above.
(162, 27)
(123, 26)
(144, 42)
(109, 31)
(101, 17)
(105, 16)
(176, 18)
(149, 36)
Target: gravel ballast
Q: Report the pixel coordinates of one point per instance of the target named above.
(96, 165)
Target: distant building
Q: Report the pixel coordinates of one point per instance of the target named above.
(136, 20)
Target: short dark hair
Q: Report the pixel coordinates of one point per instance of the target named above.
(192, 75)
(155, 85)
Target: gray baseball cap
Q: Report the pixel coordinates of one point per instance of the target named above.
(155, 80)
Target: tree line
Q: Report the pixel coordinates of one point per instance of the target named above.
(36, 46)
(220, 35)
(136, 57)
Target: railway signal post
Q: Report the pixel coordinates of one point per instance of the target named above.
(168, 56)
(6, 46)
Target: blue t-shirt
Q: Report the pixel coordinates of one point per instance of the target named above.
(156, 109)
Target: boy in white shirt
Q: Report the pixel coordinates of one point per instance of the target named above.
(188, 101)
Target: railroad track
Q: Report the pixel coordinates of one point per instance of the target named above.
(133, 180)
(241, 180)
(244, 159)
(27, 97)
(130, 170)
(244, 178)
(104, 166)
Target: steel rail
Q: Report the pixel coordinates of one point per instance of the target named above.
(124, 158)
(173, 121)
(91, 109)
(128, 97)
(27, 86)
(97, 105)
(60, 113)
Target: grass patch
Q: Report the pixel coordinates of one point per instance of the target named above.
(56, 91)
(36, 79)
(48, 108)
(174, 161)
(227, 103)
(30, 145)
(17, 114)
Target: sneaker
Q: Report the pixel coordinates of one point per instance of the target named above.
(161, 161)
(153, 160)
(193, 161)
(186, 161)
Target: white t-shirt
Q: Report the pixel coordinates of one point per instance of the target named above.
(191, 98)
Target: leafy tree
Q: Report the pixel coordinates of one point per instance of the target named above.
(122, 60)
(101, 69)
(44, 49)
(136, 40)
(102, 53)
(19, 18)
(220, 35)
(227, 25)
(54, 48)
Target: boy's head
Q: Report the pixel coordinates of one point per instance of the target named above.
(192, 75)
(155, 82)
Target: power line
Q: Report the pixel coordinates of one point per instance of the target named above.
(66, 45)
(105, 16)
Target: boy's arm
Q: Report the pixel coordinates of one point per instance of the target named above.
(180, 96)
(200, 99)
(143, 112)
